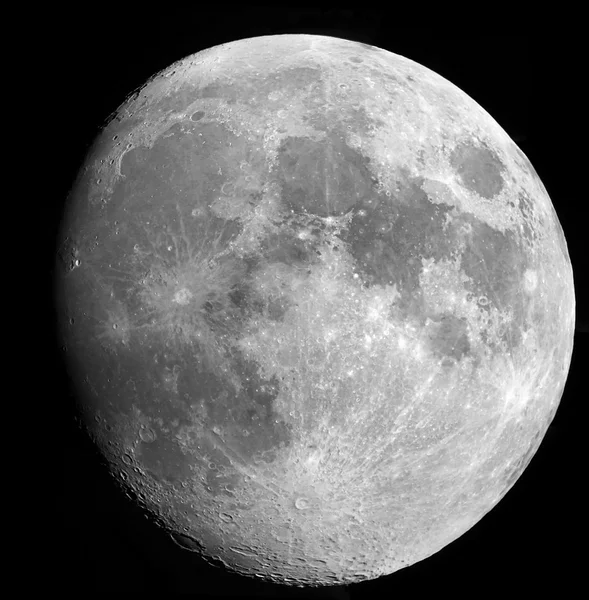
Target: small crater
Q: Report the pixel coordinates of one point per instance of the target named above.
(197, 116)
(302, 503)
(228, 188)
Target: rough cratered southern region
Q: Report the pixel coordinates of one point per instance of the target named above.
(317, 304)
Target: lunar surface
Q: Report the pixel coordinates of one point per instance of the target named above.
(317, 307)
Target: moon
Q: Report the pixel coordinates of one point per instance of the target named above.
(317, 306)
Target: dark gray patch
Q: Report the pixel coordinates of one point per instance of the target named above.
(255, 88)
(355, 59)
(226, 309)
(249, 413)
(244, 414)
(240, 296)
(276, 309)
(221, 314)
(288, 249)
(164, 459)
(449, 338)
(246, 300)
(479, 168)
(197, 116)
(178, 169)
(389, 238)
(495, 263)
(201, 383)
(228, 312)
(229, 92)
(324, 178)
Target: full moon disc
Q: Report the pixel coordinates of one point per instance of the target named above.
(317, 307)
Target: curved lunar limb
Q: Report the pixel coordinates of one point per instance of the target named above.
(317, 306)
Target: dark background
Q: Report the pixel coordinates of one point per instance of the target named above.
(89, 61)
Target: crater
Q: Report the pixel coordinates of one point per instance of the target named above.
(187, 542)
(182, 296)
(479, 169)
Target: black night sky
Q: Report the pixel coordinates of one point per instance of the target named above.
(99, 544)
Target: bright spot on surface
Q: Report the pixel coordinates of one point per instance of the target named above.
(330, 334)
(182, 296)
(530, 280)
